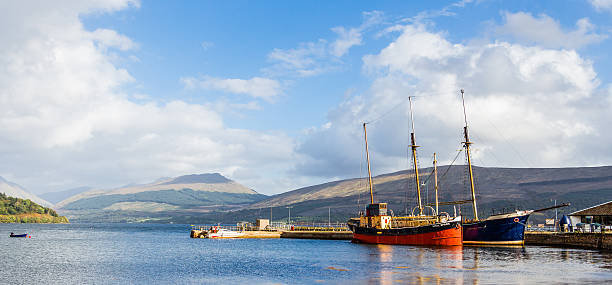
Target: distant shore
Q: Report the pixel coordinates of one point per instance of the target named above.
(34, 219)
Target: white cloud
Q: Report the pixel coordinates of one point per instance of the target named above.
(109, 38)
(444, 11)
(66, 120)
(547, 32)
(256, 87)
(349, 37)
(602, 5)
(346, 39)
(534, 100)
(206, 45)
(308, 59)
(314, 58)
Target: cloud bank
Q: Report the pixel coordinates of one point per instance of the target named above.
(528, 106)
(66, 120)
(546, 32)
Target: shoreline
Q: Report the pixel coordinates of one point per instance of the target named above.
(598, 241)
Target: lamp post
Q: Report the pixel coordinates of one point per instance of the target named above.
(289, 214)
(555, 224)
(426, 184)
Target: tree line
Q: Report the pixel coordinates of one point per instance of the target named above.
(16, 206)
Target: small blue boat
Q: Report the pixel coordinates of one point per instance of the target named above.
(17, 236)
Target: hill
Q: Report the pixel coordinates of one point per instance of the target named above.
(159, 200)
(14, 190)
(16, 210)
(497, 188)
(214, 198)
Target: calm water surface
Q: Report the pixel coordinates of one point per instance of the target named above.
(164, 254)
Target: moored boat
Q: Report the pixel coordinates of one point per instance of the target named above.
(379, 226)
(501, 229)
(498, 229)
(409, 230)
(218, 232)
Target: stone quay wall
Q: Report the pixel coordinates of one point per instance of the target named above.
(581, 240)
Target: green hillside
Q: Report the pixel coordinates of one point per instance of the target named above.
(161, 201)
(185, 198)
(16, 210)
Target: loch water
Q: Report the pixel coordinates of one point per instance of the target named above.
(164, 254)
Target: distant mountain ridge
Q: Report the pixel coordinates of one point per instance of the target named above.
(56, 197)
(179, 195)
(176, 200)
(496, 188)
(211, 178)
(14, 190)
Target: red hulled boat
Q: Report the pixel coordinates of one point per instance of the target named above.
(377, 226)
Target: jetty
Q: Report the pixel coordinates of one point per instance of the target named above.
(262, 229)
(331, 235)
(601, 240)
(199, 233)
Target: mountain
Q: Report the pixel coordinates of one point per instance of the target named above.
(159, 200)
(511, 185)
(212, 198)
(14, 190)
(56, 197)
(497, 188)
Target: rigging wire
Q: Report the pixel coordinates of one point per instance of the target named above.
(509, 143)
(449, 166)
(447, 169)
(361, 178)
(396, 107)
(386, 113)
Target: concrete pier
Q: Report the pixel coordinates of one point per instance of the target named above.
(333, 235)
(579, 240)
(247, 234)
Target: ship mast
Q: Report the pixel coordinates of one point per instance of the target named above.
(467, 144)
(368, 157)
(435, 165)
(414, 159)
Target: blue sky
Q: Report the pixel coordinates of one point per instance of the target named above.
(272, 93)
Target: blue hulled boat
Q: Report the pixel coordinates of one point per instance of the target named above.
(21, 235)
(502, 229)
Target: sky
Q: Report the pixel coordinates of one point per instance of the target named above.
(273, 94)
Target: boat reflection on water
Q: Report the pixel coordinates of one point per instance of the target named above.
(389, 264)
(430, 265)
(382, 255)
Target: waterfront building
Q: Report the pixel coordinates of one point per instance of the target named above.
(593, 218)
